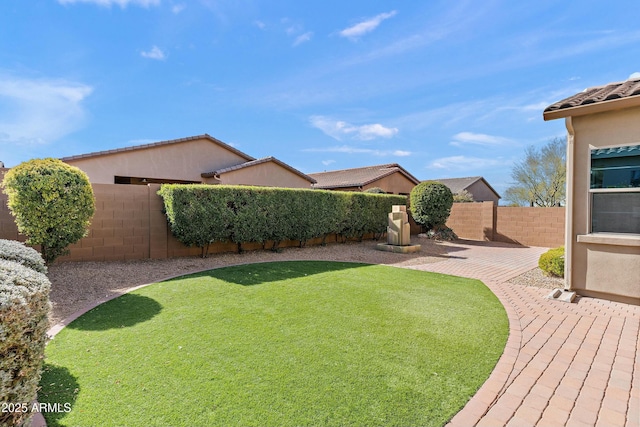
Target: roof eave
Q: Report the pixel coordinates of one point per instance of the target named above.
(597, 107)
(158, 144)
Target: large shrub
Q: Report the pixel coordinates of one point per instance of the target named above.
(24, 309)
(203, 214)
(552, 262)
(431, 203)
(11, 250)
(52, 203)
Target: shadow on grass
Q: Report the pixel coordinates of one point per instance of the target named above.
(58, 391)
(124, 311)
(259, 273)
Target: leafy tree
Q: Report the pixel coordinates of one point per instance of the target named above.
(52, 203)
(431, 203)
(463, 196)
(539, 179)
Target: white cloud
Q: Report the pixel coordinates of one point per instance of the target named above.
(303, 38)
(328, 162)
(338, 129)
(367, 26)
(260, 24)
(154, 53)
(481, 139)
(178, 8)
(464, 163)
(401, 153)
(635, 75)
(40, 111)
(109, 3)
(347, 149)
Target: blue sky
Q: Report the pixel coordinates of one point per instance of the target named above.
(445, 88)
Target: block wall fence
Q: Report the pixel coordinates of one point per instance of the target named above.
(129, 223)
(543, 227)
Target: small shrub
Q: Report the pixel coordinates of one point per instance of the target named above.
(24, 309)
(552, 262)
(441, 233)
(12, 250)
(52, 203)
(431, 203)
(375, 190)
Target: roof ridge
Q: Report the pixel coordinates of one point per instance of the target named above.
(158, 144)
(361, 167)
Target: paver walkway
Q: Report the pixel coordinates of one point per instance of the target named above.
(564, 364)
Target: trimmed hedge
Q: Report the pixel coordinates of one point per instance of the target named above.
(12, 250)
(24, 309)
(202, 214)
(552, 262)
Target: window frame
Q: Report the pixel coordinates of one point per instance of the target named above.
(611, 190)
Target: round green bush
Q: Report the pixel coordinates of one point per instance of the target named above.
(52, 203)
(431, 203)
(552, 262)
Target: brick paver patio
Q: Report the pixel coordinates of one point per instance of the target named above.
(564, 364)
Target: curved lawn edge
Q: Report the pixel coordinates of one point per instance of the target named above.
(494, 386)
(477, 406)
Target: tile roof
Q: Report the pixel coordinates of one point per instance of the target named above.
(596, 99)
(161, 143)
(456, 185)
(358, 177)
(254, 163)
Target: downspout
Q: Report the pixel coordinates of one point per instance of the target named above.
(568, 228)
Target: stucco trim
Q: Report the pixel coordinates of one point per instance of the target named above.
(610, 239)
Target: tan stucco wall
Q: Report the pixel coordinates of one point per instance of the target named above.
(180, 161)
(395, 183)
(267, 174)
(611, 270)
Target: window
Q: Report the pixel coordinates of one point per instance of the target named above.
(615, 190)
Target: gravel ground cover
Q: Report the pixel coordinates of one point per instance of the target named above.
(75, 285)
(538, 278)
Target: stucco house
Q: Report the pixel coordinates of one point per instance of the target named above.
(391, 177)
(603, 190)
(477, 186)
(195, 159)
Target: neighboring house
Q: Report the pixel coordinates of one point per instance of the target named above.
(603, 190)
(196, 159)
(392, 178)
(477, 186)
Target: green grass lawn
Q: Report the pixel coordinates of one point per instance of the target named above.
(285, 343)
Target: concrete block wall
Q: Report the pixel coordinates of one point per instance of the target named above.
(130, 224)
(120, 228)
(543, 227)
(466, 220)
